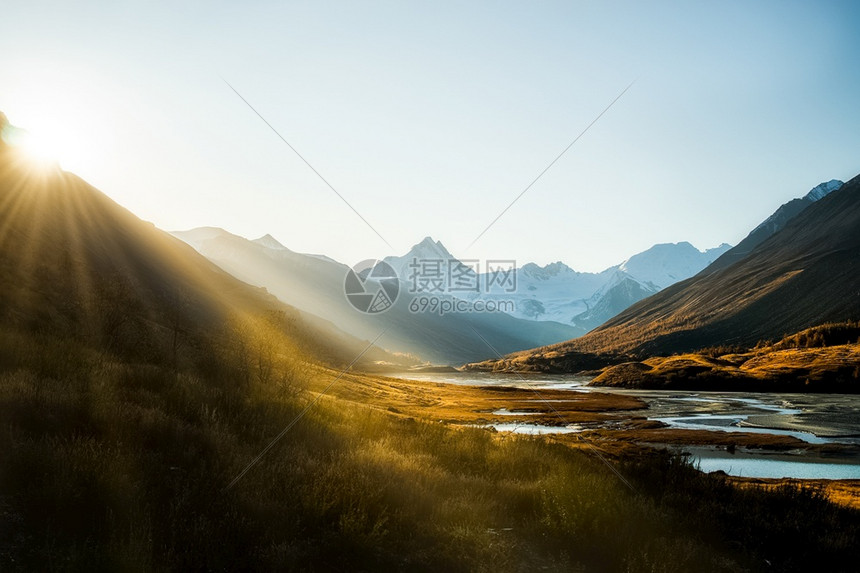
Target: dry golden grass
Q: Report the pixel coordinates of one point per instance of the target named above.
(845, 493)
(455, 404)
(827, 369)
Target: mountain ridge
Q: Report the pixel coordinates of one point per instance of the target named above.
(557, 292)
(805, 274)
(776, 221)
(76, 263)
(316, 284)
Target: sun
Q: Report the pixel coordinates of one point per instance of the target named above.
(39, 150)
(36, 149)
(54, 141)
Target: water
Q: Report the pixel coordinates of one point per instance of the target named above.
(524, 380)
(775, 465)
(763, 468)
(811, 418)
(506, 412)
(534, 429)
(735, 423)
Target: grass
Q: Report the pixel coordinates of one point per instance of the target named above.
(828, 334)
(107, 464)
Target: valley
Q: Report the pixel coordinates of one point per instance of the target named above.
(200, 401)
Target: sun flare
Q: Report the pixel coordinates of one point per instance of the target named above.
(39, 149)
(35, 149)
(58, 141)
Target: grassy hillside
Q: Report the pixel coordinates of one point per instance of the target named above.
(825, 358)
(820, 359)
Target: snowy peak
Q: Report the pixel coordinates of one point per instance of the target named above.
(793, 208)
(426, 250)
(661, 252)
(558, 293)
(429, 249)
(717, 251)
(199, 235)
(546, 272)
(823, 189)
(668, 263)
(269, 242)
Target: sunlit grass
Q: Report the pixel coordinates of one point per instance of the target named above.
(121, 465)
(824, 358)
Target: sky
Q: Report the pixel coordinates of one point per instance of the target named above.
(431, 118)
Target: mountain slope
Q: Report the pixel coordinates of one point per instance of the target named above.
(77, 265)
(805, 274)
(316, 284)
(776, 222)
(625, 292)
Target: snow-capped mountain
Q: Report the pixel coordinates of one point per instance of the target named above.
(781, 216)
(667, 263)
(823, 189)
(616, 297)
(426, 250)
(555, 292)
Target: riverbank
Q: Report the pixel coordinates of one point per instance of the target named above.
(625, 424)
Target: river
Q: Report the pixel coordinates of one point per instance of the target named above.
(812, 418)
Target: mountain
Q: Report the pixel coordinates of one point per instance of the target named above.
(623, 292)
(644, 274)
(547, 305)
(553, 292)
(270, 242)
(426, 250)
(316, 284)
(667, 263)
(775, 222)
(586, 300)
(805, 274)
(823, 189)
(77, 266)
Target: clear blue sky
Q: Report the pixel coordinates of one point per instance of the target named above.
(430, 118)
